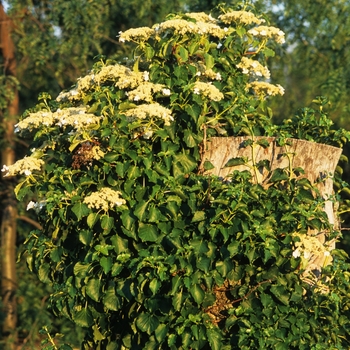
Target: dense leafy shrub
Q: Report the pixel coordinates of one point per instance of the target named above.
(142, 249)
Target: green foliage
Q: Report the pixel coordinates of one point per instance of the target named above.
(141, 249)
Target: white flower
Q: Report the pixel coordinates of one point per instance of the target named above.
(218, 76)
(31, 205)
(5, 168)
(146, 75)
(219, 45)
(196, 91)
(296, 253)
(307, 254)
(27, 172)
(166, 92)
(327, 253)
(198, 74)
(136, 98)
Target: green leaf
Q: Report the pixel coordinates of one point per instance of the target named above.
(92, 219)
(197, 293)
(107, 223)
(93, 289)
(186, 162)
(44, 272)
(161, 332)
(200, 246)
(215, 338)
(106, 263)
(268, 52)
(147, 323)
(85, 236)
(208, 165)
(278, 175)
(241, 31)
(80, 210)
(183, 54)
(154, 285)
(140, 210)
(281, 294)
(148, 232)
(236, 161)
(83, 318)
(209, 61)
(198, 216)
(263, 143)
(120, 244)
(189, 139)
(111, 300)
(178, 300)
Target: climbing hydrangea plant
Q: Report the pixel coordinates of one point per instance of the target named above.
(141, 248)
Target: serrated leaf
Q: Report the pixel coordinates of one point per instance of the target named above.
(268, 52)
(263, 143)
(236, 161)
(148, 232)
(140, 210)
(85, 237)
(208, 165)
(92, 219)
(120, 244)
(93, 289)
(200, 246)
(161, 332)
(111, 300)
(44, 272)
(214, 338)
(80, 210)
(281, 294)
(177, 300)
(80, 269)
(107, 223)
(106, 263)
(83, 318)
(154, 285)
(147, 323)
(197, 293)
(198, 216)
(278, 175)
(189, 139)
(266, 300)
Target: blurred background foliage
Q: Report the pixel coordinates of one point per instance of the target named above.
(57, 41)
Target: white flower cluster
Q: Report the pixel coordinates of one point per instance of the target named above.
(23, 166)
(73, 116)
(262, 89)
(207, 90)
(311, 251)
(104, 199)
(250, 66)
(242, 17)
(269, 33)
(146, 90)
(150, 111)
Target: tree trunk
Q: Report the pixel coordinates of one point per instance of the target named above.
(8, 205)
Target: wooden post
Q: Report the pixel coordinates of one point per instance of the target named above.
(317, 160)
